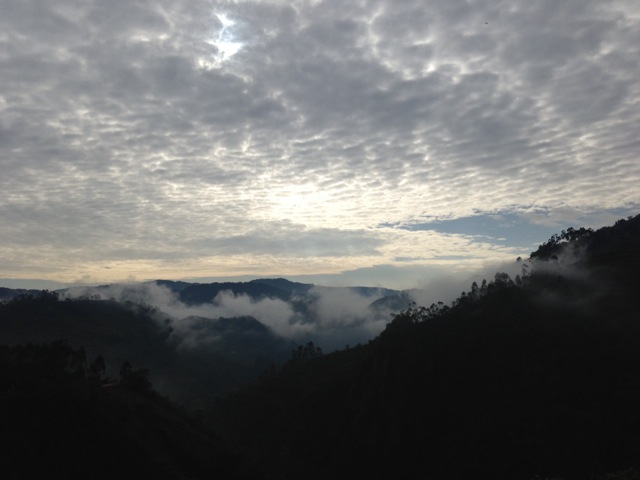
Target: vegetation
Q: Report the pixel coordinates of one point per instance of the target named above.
(533, 377)
(61, 416)
(128, 332)
(305, 353)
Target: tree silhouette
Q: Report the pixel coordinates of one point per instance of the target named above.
(305, 353)
(135, 380)
(97, 368)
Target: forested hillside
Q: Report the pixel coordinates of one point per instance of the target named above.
(185, 364)
(532, 377)
(62, 418)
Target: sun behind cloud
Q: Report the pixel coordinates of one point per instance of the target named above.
(225, 40)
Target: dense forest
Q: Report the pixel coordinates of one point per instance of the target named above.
(141, 335)
(63, 418)
(531, 377)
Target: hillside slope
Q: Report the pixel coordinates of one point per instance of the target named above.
(535, 377)
(190, 371)
(59, 417)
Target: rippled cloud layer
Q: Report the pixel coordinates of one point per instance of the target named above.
(158, 139)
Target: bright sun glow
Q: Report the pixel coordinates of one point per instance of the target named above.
(225, 40)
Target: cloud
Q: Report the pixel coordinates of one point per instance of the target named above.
(274, 313)
(332, 317)
(279, 237)
(126, 142)
(336, 317)
(339, 307)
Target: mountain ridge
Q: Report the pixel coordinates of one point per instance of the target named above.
(519, 379)
(522, 378)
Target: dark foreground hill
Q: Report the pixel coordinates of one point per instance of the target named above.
(182, 366)
(533, 377)
(63, 419)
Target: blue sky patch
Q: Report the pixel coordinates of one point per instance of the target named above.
(508, 229)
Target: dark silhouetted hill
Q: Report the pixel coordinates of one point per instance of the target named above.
(188, 365)
(61, 419)
(534, 377)
(199, 293)
(7, 294)
(280, 288)
(394, 302)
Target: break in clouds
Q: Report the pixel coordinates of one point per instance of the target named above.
(164, 139)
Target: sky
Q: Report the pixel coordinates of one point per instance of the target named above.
(377, 142)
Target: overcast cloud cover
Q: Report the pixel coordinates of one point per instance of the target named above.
(163, 139)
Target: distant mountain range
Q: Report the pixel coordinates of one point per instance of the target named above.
(169, 327)
(10, 293)
(200, 293)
